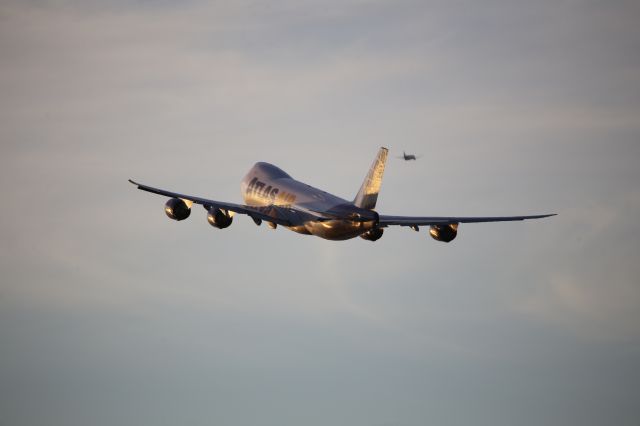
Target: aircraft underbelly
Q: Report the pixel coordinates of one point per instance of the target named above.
(338, 230)
(301, 229)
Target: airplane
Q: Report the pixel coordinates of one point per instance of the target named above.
(408, 157)
(272, 196)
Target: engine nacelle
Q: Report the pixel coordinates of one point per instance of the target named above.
(373, 234)
(444, 233)
(177, 209)
(218, 218)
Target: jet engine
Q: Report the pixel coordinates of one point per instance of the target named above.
(218, 218)
(444, 233)
(177, 209)
(373, 234)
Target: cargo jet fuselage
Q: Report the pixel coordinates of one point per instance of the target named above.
(266, 185)
(272, 196)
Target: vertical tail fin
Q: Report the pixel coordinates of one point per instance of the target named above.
(368, 194)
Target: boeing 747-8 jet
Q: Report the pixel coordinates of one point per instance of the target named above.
(272, 196)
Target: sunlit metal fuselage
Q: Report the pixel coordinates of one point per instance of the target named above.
(267, 185)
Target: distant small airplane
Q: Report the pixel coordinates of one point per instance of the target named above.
(407, 157)
(272, 196)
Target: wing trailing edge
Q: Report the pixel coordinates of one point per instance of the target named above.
(447, 220)
(281, 215)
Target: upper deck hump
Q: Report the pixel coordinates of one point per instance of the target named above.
(269, 170)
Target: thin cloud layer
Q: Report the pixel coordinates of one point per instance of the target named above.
(112, 314)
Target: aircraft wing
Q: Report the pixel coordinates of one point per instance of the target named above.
(445, 220)
(282, 215)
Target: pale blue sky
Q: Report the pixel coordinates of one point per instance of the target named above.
(111, 314)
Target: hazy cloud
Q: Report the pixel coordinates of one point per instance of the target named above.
(111, 314)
